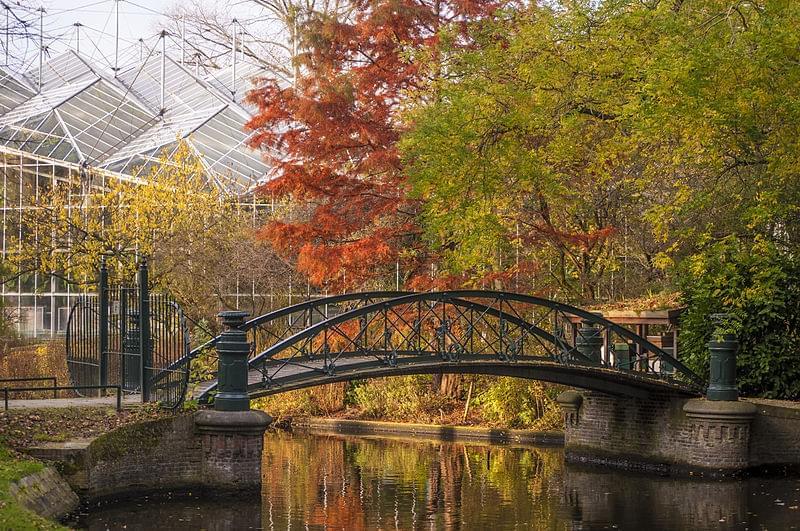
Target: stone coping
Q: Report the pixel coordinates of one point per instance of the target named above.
(722, 410)
(431, 431)
(776, 408)
(241, 422)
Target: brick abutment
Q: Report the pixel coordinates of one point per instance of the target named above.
(673, 434)
(207, 451)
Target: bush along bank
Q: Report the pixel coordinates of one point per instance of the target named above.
(492, 402)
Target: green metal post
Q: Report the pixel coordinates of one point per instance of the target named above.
(233, 349)
(722, 382)
(131, 373)
(102, 296)
(589, 341)
(145, 344)
(622, 356)
(123, 333)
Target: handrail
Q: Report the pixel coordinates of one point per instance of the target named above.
(282, 312)
(39, 379)
(7, 390)
(458, 297)
(300, 306)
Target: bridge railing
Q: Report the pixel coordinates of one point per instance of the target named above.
(390, 328)
(272, 327)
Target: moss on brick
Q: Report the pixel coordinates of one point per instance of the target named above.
(12, 514)
(130, 440)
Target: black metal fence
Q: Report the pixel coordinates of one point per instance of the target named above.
(130, 337)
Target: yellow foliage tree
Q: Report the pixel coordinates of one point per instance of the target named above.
(197, 238)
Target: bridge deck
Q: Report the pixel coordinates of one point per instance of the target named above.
(290, 376)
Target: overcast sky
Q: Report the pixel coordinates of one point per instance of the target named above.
(138, 19)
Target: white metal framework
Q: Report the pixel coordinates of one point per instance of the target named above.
(82, 115)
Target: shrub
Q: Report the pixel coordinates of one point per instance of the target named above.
(518, 403)
(398, 398)
(759, 285)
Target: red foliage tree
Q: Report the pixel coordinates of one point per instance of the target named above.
(336, 133)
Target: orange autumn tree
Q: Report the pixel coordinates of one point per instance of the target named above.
(336, 132)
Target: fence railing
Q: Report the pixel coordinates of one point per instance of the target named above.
(55, 389)
(34, 379)
(131, 337)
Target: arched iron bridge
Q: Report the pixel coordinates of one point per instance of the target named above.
(377, 334)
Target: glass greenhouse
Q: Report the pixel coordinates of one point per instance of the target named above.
(68, 116)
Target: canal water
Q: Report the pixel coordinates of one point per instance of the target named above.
(354, 483)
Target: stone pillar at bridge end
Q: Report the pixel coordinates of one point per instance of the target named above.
(232, 435)
(232, 443)
(570, 402)
(719, 434)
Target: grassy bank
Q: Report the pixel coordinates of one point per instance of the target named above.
(24, 428)
(13, 516)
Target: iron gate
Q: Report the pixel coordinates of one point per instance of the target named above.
(130, 337)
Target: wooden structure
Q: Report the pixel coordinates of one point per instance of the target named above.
(641, 322)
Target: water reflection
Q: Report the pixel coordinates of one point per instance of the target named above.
(354, 483)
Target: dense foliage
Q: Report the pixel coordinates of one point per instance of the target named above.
(332, 137)
(589, 138)
(588, 151)
(486, 401)
(759, 286)
(570, 127)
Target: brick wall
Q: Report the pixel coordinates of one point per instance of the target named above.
(629, 432)
(775, 434)
(656, 434)
(171, 454)
(164, 453)
(231, 460)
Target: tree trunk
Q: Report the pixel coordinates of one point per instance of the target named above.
(447, 385)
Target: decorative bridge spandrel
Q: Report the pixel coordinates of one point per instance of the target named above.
(377, 334)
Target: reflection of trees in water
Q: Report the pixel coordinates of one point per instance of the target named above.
(355, 482)
(444, 492)
(361, 483)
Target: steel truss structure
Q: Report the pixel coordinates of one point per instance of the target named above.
(72, 121)
(375, 334)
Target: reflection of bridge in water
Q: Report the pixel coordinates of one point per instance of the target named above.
(377, 334)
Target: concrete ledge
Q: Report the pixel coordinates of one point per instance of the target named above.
(776, 408)
(69, 458)
(443, 433)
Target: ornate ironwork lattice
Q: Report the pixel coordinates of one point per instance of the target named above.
(384, 333)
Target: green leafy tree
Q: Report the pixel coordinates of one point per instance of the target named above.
(575, 140)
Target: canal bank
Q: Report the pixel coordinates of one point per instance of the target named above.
(444, 433)
(171, 455)
(668, 434)
(346, 481)
(32, 495)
